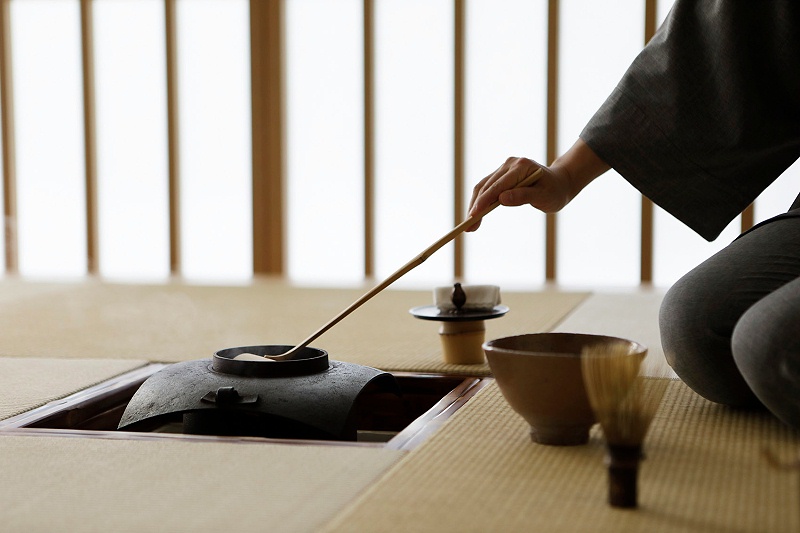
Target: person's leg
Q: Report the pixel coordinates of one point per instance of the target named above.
(700, 311)
(766, 348)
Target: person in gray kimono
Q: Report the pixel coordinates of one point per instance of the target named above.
(705, 118)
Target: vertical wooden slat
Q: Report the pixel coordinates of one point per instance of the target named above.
(9, 160)
(89, 136)
(266, 78)
(171, 29)
(646, 242)
(748, 217)
(459, 45)
(369, 138)
(552, 129)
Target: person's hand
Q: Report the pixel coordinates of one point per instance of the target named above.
(557, 185)
(549, 193)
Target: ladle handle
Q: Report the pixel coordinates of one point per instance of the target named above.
(405, 269)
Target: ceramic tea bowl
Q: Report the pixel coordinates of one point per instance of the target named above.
(540, 376)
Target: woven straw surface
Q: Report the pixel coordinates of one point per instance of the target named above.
(26, 383)
(87, 485)
(631, 315)
(704, 472)
(176, 322)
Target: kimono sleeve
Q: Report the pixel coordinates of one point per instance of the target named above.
(708, 114)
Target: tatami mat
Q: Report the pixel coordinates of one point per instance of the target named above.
(630, 314)
(100, 485)
(704, 473)
(15, 289)
(175, 322)
(26, 383)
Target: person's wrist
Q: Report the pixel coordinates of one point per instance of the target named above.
(580, 165)
(563, 173)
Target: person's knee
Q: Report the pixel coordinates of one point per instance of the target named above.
(696, 324)
(678, 322)
(766, 349)
(685, 324)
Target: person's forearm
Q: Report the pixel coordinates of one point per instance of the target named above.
(581, 165)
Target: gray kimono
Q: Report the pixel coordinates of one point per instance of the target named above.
(708, 115)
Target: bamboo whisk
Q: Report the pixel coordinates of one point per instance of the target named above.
(624, 403)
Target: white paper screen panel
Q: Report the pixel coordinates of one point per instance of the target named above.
(505, 87)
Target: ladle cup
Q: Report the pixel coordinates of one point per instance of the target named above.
(418, 260)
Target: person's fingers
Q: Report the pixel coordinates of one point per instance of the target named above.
(514, 171)
(476, 190)
(479, 190)
(518, 196)
(500, 185)
(489, 188)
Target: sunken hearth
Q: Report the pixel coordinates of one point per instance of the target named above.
(327, 402)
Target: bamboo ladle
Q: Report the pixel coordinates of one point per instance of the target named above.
(418, 260)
